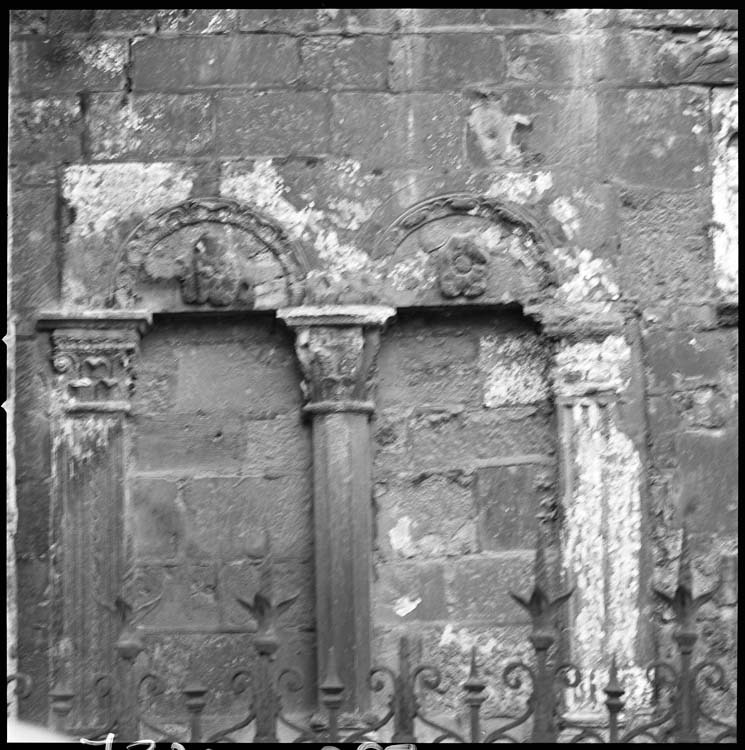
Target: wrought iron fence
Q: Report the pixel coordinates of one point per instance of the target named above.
(405, 720)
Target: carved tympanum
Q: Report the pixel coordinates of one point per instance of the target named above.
(462, 267)
(460, 247)
(210, 277)
(212, 252)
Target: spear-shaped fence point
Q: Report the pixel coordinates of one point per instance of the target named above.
(614, 687)
(539, 605)
(685, 575)
(473, 684)
(682, 602)
(474, 687)
(540, 569)
(266, 579)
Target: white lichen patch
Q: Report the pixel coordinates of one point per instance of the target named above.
(465, 640)
(515, 370)
(520, 187)
(122, 131)
(262, 186)
(400, 537)
(414, 272)
(404, 605)
(725, 189)
(584, 278)
(341, 257)
(567, 215)
(109, 56)
(602, 543)
(498, 240)
(591, 366)
(102, 194)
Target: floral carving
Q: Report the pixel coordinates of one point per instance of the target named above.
(463, 268)
(209, 277)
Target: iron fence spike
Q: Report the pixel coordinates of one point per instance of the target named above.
(685, 574)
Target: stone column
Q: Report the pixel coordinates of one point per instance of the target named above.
(594, 379)
(337, 346)
(93, 356)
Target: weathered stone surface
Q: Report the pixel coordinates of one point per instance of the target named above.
(648, 143)
(663, 241)
(32, 534)
(35, 262)
(678, 17)
(190, 443)
(446, 61)
(478, 587)
(62, 64)
(45, 129)
(339, 63)
(289, 20)
(272, 124)
(157, 517)
(423, 18)
(189, 62)
(706, 480)
(545, 59)
(226, 517)
(509, 498)
(521, 127)
(431, 373)
(683, 359)
(416, 128)
(429, 517)
(149, 125)
(28, 21)
(405, 592)
(263, 381)
(457, 442)
(32, 578)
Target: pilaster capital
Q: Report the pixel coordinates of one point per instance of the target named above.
(93, 355)
(337, 346)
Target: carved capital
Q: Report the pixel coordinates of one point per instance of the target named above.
(337, 346)
(93, 356)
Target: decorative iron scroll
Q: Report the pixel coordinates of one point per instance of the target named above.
(404, 719)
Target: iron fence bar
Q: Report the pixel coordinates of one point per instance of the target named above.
(474, 699)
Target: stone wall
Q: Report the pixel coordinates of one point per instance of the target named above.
(615, 131)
